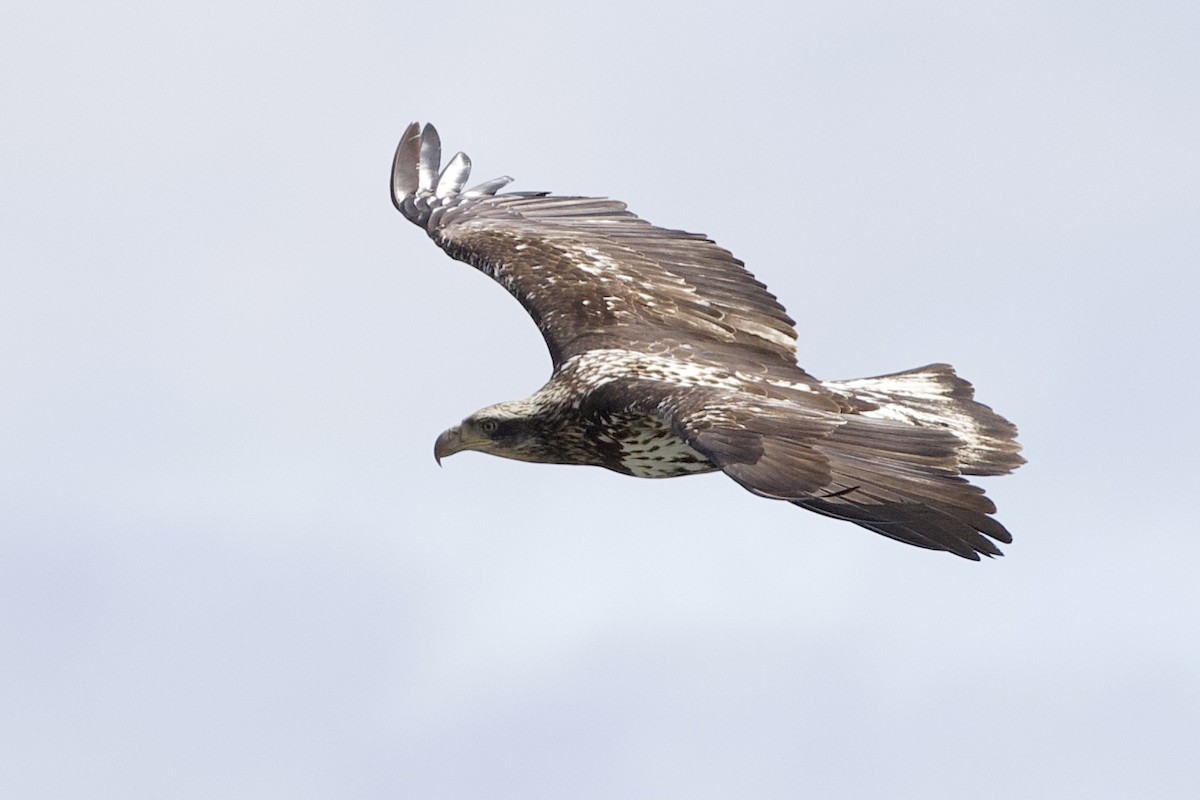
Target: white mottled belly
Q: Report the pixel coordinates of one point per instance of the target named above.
(651, 450)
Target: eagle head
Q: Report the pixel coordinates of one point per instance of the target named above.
(507, 430)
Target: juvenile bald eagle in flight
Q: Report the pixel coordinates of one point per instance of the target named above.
(671, 359)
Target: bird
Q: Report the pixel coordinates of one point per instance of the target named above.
(670, 359)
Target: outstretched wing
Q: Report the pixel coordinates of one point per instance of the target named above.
(588, 271)
(896, 478)
(905, 482)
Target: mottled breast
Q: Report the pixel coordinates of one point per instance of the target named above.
(649, 449)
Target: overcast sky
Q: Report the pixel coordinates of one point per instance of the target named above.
(229, 567)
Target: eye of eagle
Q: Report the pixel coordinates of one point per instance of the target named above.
(488, 426)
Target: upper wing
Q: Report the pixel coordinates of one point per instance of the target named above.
(586, 269)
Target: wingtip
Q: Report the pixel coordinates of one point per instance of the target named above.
(488, 188)
(418, 181)
(405, 178)
(430, 158)
(454, 176)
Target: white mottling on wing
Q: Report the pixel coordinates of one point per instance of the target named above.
(593, 262)
(769, 334)
(597, 367)
(791, 385)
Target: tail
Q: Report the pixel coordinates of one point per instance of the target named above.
(934, 397)
(898, 461)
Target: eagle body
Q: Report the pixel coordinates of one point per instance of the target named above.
(670, 359)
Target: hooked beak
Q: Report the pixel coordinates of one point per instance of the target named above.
(449, 443)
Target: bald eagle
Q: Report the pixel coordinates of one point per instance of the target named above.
(670, 359)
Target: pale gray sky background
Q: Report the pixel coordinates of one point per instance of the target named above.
(229, 567)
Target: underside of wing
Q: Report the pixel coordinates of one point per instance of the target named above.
(897, 479)
(588, 271)
(904, 482)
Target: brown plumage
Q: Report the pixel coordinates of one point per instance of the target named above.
(671, 359)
